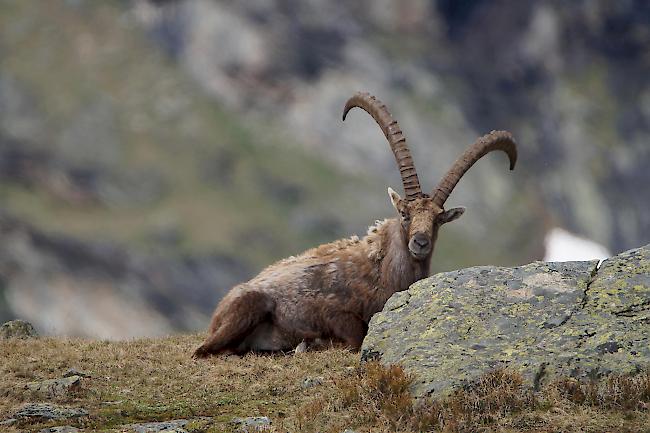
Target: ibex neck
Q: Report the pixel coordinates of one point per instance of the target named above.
(398, 269)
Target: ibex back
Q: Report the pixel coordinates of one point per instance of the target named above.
(330, 292)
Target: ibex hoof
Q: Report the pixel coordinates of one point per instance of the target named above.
(301, 348)
(201, 352)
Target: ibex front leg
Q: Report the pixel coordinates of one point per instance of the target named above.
(349, 329)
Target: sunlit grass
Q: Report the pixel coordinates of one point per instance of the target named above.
(157, 380)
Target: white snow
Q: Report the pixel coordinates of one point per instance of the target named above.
(562, 246)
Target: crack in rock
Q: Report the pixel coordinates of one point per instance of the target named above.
(543, 319)
(633, 310)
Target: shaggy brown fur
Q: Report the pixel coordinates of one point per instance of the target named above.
(330, 292)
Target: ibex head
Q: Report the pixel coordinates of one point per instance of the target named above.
(420, 219)
(421, 214)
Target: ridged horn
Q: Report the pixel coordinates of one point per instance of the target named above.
(395, 137)
(495, 140)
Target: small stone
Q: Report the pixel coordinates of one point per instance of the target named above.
(10, 421)
(301, 348)
(47, 411)
(253, 423)
(62, 429)
(75, 372)
(311, 382)
(175, 426)
(17, 329)
(55, 387)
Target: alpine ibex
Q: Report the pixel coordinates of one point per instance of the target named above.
(332, 291)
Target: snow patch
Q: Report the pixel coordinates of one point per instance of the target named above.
(562, 246)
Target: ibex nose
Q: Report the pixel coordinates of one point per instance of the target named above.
(421, 240)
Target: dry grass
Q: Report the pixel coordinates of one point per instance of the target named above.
(156, 380)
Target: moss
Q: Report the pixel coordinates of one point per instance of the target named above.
(462, 322)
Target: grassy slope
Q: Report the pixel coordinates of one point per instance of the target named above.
(155, 380)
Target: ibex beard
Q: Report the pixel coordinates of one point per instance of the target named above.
(329, 293)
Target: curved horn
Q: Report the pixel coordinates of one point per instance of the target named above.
(495, 140)
(396, 139)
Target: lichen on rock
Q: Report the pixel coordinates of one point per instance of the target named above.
(17, 329)
(542, 319)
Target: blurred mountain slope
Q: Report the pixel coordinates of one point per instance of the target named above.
(569, 79)
(204, 137)
(103, 137)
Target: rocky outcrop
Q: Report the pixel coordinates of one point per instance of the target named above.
(47, 412)
(60, 429)
(52, 388)
(154, 427)
(544, 319)
(17, 329)
(252, 424)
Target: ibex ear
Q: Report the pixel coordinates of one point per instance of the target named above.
(394, 198)
(450, 214)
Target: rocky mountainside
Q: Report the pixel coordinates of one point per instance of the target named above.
(209, 132)
(569, 79)
(72, 287)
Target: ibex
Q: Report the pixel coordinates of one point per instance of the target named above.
(330, 292)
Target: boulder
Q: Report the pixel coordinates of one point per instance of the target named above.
(310, 382)
(199, 424)
(47, 412)
(154, 427)
(74, 372)
(252, 424)
(17, 329)
(51, 388)
(61, 429)
(543, 319)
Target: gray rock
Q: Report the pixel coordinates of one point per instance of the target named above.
(166, 426)
(47, 411)
(173, 426)
(310, 382)
(543, 319)
(17, 329)
(55, 387)
(62, 429)
(252, 424)
(8, 422)
(301, 348)
(74, 372)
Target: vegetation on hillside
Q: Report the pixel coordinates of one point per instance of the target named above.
(156, 380)
(143, 157)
